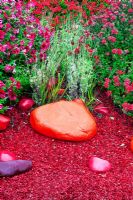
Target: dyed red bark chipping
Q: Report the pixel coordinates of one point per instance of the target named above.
(60, 169)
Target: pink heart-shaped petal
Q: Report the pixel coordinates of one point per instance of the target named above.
(7, 156)
(98, 164)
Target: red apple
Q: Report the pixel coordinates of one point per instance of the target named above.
(26, 104)
(4, 122)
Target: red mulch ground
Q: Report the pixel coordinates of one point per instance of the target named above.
(60, 169)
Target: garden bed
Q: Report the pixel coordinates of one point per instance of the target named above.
(60, 169)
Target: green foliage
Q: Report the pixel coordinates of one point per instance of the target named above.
(114, 58)
(22, 38)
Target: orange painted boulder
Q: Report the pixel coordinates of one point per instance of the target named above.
(64, 120)
(131, 144)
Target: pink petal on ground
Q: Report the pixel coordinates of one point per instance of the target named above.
(7, 155)
(101, 109)
(98, 164)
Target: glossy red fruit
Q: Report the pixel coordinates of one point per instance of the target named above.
(7, 155)
(64, 120)
(26, 104)
(4, 122)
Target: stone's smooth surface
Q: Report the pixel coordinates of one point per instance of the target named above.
(4, 122)
(14, 167)
(98, 164)
(26, 104)
(65, 120)
(7, 155)
(101, 109)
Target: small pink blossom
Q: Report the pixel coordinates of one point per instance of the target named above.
(103, 41)
(18, 85)
(116, 81)
(8, 68)
(112, 38)
(12, 96)
(120, 72)
(106, 82)
(127, 106)
(2, 35)
(117, 51)
(130, 10)
(114, 31)
(2, 84)
(2, 94)
(1, 106)
(123, 19)
(109, 93)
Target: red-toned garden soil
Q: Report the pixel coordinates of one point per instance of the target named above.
(60, 169)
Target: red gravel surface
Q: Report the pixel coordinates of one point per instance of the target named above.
(60, 169)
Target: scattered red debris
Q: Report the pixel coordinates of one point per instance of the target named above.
(60, 168)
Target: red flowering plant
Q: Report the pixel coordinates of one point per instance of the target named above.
(23, 42)
(111, 49)
(57, 11)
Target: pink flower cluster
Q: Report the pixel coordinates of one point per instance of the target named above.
(9, 92)
(106, 82)
(127, 106)
(23, 42)
(32, 28)
(111, 31)
(117, 51)
(116, 81)
(128, 85)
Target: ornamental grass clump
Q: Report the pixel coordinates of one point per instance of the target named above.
(22, 39)
(68, 66)
(111, 49)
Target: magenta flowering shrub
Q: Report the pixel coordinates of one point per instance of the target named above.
(112, 51)
(23, 43)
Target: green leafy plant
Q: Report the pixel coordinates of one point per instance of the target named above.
(112, 51)
(22, 38)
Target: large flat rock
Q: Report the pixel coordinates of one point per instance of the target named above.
(64, 120)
